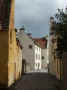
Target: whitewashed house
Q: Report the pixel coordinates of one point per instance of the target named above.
(37, 55)
(43, 44)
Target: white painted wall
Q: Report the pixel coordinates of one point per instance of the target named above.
(37, 54)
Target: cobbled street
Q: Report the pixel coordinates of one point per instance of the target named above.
(36, 81)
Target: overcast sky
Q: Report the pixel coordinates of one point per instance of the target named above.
(35, 14)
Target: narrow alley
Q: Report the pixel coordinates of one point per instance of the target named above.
(36, 81)
(33, 45)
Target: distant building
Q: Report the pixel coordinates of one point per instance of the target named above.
(28, 51)
(37, 55)
(44, 52)
(31, 51)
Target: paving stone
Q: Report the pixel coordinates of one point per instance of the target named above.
(36, 81)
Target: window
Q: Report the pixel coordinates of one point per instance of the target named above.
(37, 49)
(36, 56)
(30, 46)
(36, 65)
(42, 57)
(10, 36)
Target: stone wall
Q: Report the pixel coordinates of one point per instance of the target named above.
(27, 52)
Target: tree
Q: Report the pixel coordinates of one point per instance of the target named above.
(61, 19)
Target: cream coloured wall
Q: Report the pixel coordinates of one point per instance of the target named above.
(14, 61)
(10, 61)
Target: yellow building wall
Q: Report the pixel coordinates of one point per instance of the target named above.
(14, 61)
(3, 57)
(10, 59)
(11, 46)
(17, 58)
(10, 53)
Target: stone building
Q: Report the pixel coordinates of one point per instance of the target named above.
(51, 55)
(55, 60)
(31, 51)
(10, 49)
(27, 51)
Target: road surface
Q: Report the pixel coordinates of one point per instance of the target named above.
(36, 81)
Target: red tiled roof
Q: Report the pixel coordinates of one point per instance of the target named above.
(42, 42)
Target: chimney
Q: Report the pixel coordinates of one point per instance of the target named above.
(51, 19)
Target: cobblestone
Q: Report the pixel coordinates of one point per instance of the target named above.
(36, 81)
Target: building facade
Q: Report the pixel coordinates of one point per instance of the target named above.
(28, 51)
(10, 51)
(31, 51)
(37, 55)
(55, 58)
(44, 52)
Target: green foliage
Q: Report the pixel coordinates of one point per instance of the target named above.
(61, 26)
(61, 16)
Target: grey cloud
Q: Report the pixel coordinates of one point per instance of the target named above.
(34, 14)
